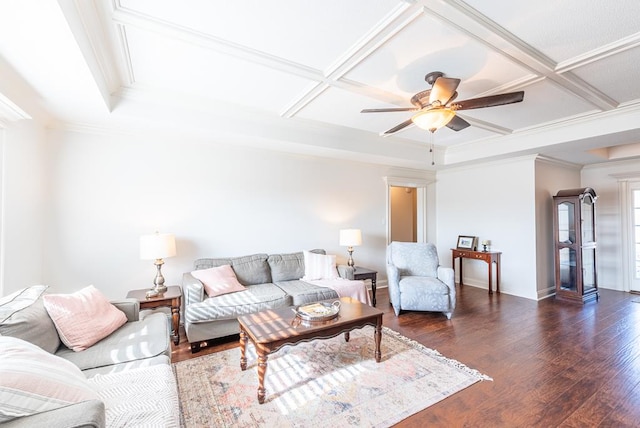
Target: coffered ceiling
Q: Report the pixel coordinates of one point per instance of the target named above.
(294, 74)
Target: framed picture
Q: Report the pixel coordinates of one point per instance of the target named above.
(467, 242)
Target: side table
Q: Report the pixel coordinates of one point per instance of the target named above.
(361, 274)
(170, 298)
(490, 257)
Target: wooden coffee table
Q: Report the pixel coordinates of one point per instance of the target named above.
(270, 330)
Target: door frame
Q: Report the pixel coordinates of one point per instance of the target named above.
(626, 184)
(420, 184)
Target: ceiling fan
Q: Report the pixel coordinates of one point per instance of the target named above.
(436, 108)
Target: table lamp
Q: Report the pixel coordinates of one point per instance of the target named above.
(157, 247)
(350, 238)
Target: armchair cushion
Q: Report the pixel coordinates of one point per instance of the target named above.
(415, 260)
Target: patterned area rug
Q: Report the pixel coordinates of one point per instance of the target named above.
(320, 383)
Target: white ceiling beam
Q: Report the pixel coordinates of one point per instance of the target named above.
(458, 14)
(87, 29)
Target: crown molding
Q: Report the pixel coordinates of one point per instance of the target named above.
(10, 112)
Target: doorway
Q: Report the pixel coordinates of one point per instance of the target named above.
(634, 236)
(404, 214)
(415, 216)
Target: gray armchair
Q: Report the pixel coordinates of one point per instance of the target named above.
(416, 280)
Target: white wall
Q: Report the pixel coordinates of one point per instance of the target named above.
(219, 200)
(551, 176)
(23, 206)
(601, 177)
(495, 201)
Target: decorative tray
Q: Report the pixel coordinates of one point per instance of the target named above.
(321, 311)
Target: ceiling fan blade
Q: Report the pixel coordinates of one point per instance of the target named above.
(490, 101)
(399, 127)
(443, 89)
(457, 123)
(384, 110)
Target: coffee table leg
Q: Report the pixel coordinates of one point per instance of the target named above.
(346, 337)
(378, 338)
(262, 371)
(243, 348)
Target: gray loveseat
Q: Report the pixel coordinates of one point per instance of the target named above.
(142, 344)
(272, 281)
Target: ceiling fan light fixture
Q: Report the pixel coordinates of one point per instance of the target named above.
(434, 119)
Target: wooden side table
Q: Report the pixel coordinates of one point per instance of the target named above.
(490, 257)
(170, 298)
(361, 274)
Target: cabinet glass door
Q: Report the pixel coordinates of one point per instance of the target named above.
(588, 232)
(566, 223)
(568, 269)
(588, 269)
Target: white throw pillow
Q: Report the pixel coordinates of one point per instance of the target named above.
(218, 280)
(34, 381)
(319, 266)
(84, 317)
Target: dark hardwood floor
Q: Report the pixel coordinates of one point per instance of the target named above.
(552, 363)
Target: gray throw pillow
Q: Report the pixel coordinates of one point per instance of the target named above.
(22, 315)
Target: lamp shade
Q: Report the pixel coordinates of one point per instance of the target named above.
(433, 119)
(157, 246)
(350, 237)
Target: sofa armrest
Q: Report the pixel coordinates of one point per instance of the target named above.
(446, 275)
(87, 414)
(346, 272)
(192, 289)
(130, 307)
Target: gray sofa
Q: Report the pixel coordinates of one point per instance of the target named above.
(272, 281)
(138, 344)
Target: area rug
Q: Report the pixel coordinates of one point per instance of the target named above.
(320, 383)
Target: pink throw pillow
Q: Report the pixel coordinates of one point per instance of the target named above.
(84, 317)
(218, 280)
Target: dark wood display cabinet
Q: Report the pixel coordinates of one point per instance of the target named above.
(574, 233)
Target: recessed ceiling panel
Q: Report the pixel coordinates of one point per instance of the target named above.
(543, 102)
(564, 29)
(313, 33)
(428, 45)
(616, 75)
(170, 63)
(339, 107)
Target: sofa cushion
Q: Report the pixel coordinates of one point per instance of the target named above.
(319, 266)
(255, 298)
(286, 267)
(249, 270)
(34, 381)
(302, 292)
(84, 317)
(22, 315)
(218, 280)
(144, 397)
(136, 340)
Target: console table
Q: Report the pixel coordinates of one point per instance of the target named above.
(490, 257)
